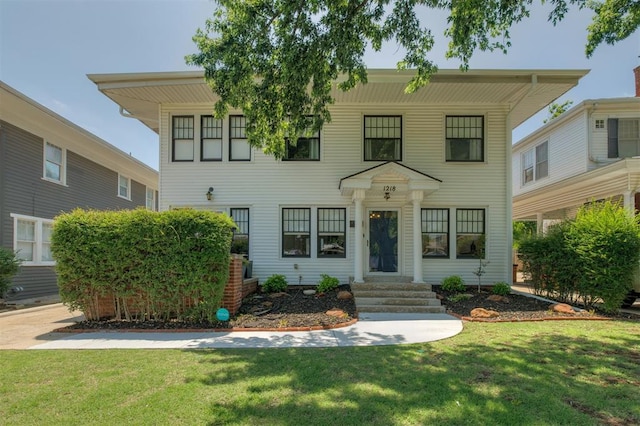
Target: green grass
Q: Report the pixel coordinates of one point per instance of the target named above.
(538, 373)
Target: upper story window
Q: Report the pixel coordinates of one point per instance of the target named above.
(124, 187)
(296, 232)
(182, 138)
(307, 148)
(151, 199)
(210, 138)
(464, 138)
(32, 240)
(435, 233)
(382, 138)
(623, 137)
(240, 242)
(332, 232)
(470, 233)
(535, 163)
(239, 148)
(54, 163)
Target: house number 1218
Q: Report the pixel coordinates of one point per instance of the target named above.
(389, 188)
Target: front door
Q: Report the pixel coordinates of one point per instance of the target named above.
(383, 241)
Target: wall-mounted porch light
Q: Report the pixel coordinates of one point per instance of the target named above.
(209, 193)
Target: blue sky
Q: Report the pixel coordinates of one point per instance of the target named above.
(48, 47)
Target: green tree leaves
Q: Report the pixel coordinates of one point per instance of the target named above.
(278, 61)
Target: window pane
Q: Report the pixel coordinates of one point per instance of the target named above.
(123, 190)
(470, 225)
(296, 239)
(52, 171)
(305, 149)
(212, 149)
(25, 251)
(464, 138)
(46, 232)
(331, 232)
(383, 138)
(238, 124)
(240, 150)
(54, 154)
(46, 253)
(183, 150)
(240, 242)
(26, 231)
(435, 232)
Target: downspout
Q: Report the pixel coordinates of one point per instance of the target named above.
(509, 177)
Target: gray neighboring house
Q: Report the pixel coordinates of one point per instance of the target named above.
(49, 165)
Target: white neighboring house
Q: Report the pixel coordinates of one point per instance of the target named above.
(590, 152)
(395, 186)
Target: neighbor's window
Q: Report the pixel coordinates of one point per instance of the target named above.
(623, 137)
(239, 149)
(151, 199)
(32, 240)
(535, 163)
(182, 142)
(124, 187)
(296, 232)
(599, 124)
(240, 242)
(470, 233)
(54, 163)
(435, 233)
(382, 138)
(542, 160)
(332, 232)
(307, 148)
(210, 138)
(464, 138)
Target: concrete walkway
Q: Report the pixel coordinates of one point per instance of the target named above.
(32, 329)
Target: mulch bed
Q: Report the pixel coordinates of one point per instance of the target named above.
(293, 310)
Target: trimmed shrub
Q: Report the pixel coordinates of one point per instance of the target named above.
(454, 283)
(606, 238)
(9, 265)
(327, 283)
(590, 258)
(155, 265)
(275, 283)
(501, 288)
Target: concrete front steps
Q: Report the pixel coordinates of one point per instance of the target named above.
(396, 295)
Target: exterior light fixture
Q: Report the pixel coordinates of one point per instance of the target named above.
(387, 195)
(209, 193)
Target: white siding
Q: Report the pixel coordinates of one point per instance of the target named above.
(265, 186)
(568, 154)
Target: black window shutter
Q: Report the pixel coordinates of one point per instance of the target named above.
(612, 132)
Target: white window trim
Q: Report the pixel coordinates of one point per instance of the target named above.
(37, 252)
(146, 198)
(128, 197)
(63, 166)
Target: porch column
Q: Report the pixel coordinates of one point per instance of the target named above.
(629, 201)
(416, 198)
(358, 275)
(539, 223)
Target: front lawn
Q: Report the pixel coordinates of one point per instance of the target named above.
(557, 372)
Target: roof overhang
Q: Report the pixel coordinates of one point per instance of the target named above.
(524, 92)
(603, 182)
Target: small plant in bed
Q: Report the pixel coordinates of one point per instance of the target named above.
(275, 283)
(501, 288)
(327, 283)
(454, 284)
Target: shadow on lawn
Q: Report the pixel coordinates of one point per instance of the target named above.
(541, 377)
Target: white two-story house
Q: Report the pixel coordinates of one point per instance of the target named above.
(590, 152)
(395, 186)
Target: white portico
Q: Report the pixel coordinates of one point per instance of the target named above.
(381, 192)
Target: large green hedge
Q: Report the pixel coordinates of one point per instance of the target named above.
(589, 259)
(173, 264)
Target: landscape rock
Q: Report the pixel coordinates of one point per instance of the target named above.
(339, 313)
(498, 298)
(483, 313)
(344, 295)
(563, 308)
